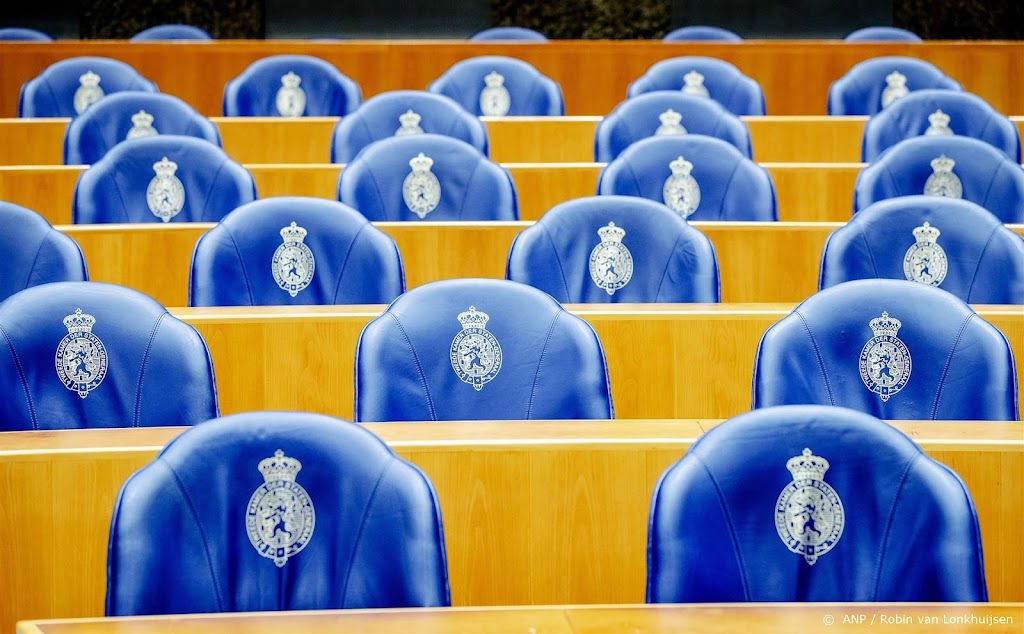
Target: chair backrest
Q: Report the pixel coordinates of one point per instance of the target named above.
(290, 86)
(894, 349)
(701, 33)
(508, 34)
(953, 244)
(615, 249)
(121, 361)
(949, 166)
(20, 34)
(703, 77)
(476, 349)
(699, 177)
(163, 32)
(404, 113)
(882, 34)
(161, 178)
(811, 503)
(939, 112)
(871, 85)
(295, 250)
(131, 115)
(496, 86)
(427, 177)
(34, 252)
(271, 511)
(668, 113)
(68, 87)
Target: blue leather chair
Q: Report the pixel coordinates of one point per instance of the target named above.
(811, 503)
(166, 32)
(668, 113)
(128, 116)
(18, 34)
(267, 511)
(293, 250)
(949, 166)
(939, 113)
(703, 77)
(66, 88)
(955, 245)
(615, 249)
(161, 178)
(404, 113)
(713, 182)
(87, 354)
(894, 349)
(476, 349)
(290, 86)
(427, 177)
(882, 34)
(871, 85)
(701, 33)
(497, 86)
(34, 252)
(508, 34)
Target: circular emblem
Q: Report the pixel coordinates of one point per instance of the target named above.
(165, 196)
(475, 353)
(81, 362)
(279, 519)
(944, 184)
(885, 365)
(495, 101)
(611, 263)
(85, 96)
(925, 262)
(682, 194)
(809, 518)
(421, 189)
(293, 266)
(290, 99)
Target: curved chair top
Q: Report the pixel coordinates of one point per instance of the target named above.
(163, 32)
(498, 86)
(508, 34)
(20, 34)
(703, 77)
(871, 85)
(66, 88)
(882, 34)
(290, 86)
(35, 253)
(699, 32)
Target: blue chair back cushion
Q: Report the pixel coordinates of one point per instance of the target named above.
(508, 34)
(493, 85)
(17, 34)
(722, 82)
(36, 253)
(862, 89)
(882, 34)
(68, 87)
(168, 32)
(701, 32)
(265, 89)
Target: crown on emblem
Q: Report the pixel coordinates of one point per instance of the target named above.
(494, 79)
(165, 167)
(885, 325)
(680, 166)
(926, 233)
(807, 466)
(693, 78)
(896, 79)
(421, 163)
(280, 467)
(293, 233)
(939, 119)
(670, 117)
(473, 318)
(291, 80)
(142, 119)
(90, 79)
(79, 322)
(611, 233)
(409, 120)
(943, 164)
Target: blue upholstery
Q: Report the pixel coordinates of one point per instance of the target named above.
(811, 503)
(133, 183)
(519, 354)
(729, 186)
(641, 117)
(247, 259)
(460, 183)
(34, 252)
(264, 89)
(862, 89)
(357, 526)
(164, 32)
(836, 348)
(882, 34)
(508, 34)
(699, 33)
(973, 255)
(66, 88)
(723, 82)
(921, 112)
(615, 249)
(381, 116)
(986, 176)
(124, 116)
(521, 91)
(18, 34)
(124, 362)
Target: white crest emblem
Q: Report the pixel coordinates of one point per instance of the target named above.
(475, 353)
(809, 515)
(943, 182)
(290, 99)
(81, 357)
(88, 93)
(939, 124)
(611, 263)
(293, 262)
(142, 126)
(165, 194)
(681, 191)
(280, 516)
(896, 87)
(670, 123)
(884, 359)
(421, 189)
(925, 260)
(409, 124)
(494, 98)
(694, 84)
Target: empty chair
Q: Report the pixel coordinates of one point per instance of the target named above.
(949, 166)
(952, 244)
(34, 252)
(699, 177)
(939, 113)
(496, 86)
(882, 34)
(290, 86)
(871, 85)
(703, 77)
(128, 116)
(19, 34)
(161, 178)
(404, 113)
(87, 354)
(615, 249)
(811, 503)
(427, 177)
(66, 88)
(701, 33)
(295, 250)
(163, 32)
(267, 511)
(476, 349)
(508, 34)
(894, 349)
